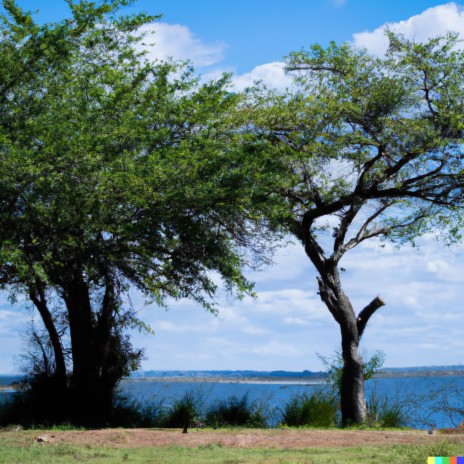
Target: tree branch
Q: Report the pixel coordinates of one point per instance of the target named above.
(366, 313)
(306, 67)
(339, 248)
(312, 248)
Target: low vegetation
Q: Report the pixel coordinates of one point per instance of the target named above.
(399, 454)
(238, 412)
(317, 410)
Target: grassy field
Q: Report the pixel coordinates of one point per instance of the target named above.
(44, 454)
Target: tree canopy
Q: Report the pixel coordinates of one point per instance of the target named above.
(116, 173)
(364, 147)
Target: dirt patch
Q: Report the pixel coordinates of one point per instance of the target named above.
(278, 438)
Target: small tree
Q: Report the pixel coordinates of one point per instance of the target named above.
(363, 148)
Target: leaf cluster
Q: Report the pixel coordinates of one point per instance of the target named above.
(365, 146)
(113, 162)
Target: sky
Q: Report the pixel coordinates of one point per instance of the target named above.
(287, 325)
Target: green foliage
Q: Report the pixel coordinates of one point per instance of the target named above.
(39, 402)
(362, 148)
(316, 410)
(214, 453)
(183, 413)
(385, 413)
(134, 414)
(237, 412)
(116, 173)
(334, 368)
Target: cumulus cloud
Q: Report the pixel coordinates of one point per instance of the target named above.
(164, 41)
(271, 74)
(432, 22)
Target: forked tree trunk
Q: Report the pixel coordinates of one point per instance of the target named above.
(352, 398)
(96, 353)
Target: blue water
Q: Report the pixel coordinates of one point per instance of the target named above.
(428, 401)
(421, 398)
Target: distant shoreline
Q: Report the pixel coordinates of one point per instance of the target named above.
(283, 380)
(243, 378)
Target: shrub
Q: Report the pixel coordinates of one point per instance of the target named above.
(131, 413)
(183, 412)
(384, 413)
(316, 410)
(38, 401)
(392, 416)
(237, 412)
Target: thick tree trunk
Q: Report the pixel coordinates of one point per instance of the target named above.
(86, 400)
(95, 353)
(352, 399)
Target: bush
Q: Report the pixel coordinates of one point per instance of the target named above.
(316, 410)
(237, 412)
(385, 414)
(38, 401)
(183, 413)
(132, 414)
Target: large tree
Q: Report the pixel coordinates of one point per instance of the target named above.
(121, 174)
(364, 148)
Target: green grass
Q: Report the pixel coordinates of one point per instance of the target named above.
(209, 454)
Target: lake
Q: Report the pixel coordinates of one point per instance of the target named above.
(421, 397)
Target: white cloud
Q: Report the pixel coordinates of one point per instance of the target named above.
(252, 330)
(276, 349)
(296, 321)
(164, 41)
(7, 315)
(271, 74)
(169, 326)
(430, 23)
(229, 316)
(339, 3)
(178, 42)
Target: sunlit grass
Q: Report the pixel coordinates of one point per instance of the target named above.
(47, 454)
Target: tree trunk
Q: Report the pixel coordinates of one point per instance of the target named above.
(84, 390)
(352, 399)
(96, 353)
(38, 298)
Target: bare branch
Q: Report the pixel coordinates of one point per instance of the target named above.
(339, 248)
(427, 90)
(362, 230)
(307, 67)
(366, 313)
(427, 175)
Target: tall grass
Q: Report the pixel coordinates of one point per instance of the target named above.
(317, 410)
(386, 413)
(183, 413)
(237, 412)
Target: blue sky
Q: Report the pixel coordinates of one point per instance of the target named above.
(423, 320)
